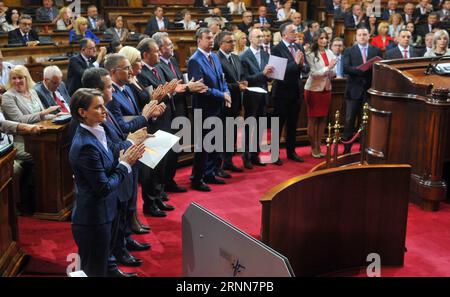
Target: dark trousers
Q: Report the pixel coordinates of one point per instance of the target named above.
(205, 163)
(254, 106)
(121, 228)
(232, 112)
(93, 243)
(353, 109)
(152, 182)
(287, 111)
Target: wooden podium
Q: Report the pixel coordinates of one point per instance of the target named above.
(409, 124)
(53, 174)
(11, 255)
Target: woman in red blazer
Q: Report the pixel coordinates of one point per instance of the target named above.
(383, 41)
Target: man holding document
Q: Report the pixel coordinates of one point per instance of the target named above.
(357, 65)
(288, 92)
(255, 63)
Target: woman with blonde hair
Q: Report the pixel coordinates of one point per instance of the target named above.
(81, 31)
(440, 45)
(383, 41)
(241, 42)
(65, 20)
(395, 24)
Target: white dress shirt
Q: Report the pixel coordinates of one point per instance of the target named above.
(160, 23)
(402, 51)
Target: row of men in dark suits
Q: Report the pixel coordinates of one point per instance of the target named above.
(228, 76)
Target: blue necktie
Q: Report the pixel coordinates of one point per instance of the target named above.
(339, 70)
(50, 14)
(25, 37)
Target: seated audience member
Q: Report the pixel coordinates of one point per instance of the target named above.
(337, 47)
(296, 19)
(95, 22)
(216, 16)
(52, 90)
(99, 178)
(313, 26)
(408, 14)
(5, 69)
(262, 17)
(440, 45)
(403, 50)
(355, 17)
(81, 31)
(118, 30)
(372, 25)
(395, 25)
(247, 21)
(24, 35)
(115, 47)
(444, 13)
(285, 13)
(21, 103)
(204, 3)
(342, 11)
(187, 22)
(12, 21)
(333, 5)
(416, 39)
(429, 26)
(84, 60)
(383, 41)
(236, 7)
(65, 20)
(390, 10)
(241, 42)
(158, 22)
(422, 10)
(48, 13)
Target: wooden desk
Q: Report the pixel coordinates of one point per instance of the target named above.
(332, 219)
(11, 255)
(54, 182)
(407, 125)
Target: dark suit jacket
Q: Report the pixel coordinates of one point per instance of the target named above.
(243, 27)
(358, 82)
(42, 16)
(75, 70)
(233, 74)
(179, 100)
(253, 73)
(47, 97)
(291, 88)
(413, 18)
(120, 106)
(98, 177)
(152, 25)
(423, 30)
(394, 53)
(385, 15)
(212, 101)
(418, 14)
(90, 27)
(349, 21)
(15, 37)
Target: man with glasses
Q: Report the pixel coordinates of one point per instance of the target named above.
(47, 13)
(337, 47)
(79, 63)
(52, 90)
(23, 35)
(256, 69)
(247, 18)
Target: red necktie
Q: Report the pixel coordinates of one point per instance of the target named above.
(60, 103)
(173, 69)
(155, 72)
(405, 55)
(291, 48)
(211, 61)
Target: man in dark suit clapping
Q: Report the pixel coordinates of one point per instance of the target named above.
(234, 75)
(358, 81)
(288, 93)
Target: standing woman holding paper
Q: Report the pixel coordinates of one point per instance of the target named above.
(98, 178)
(322, 63)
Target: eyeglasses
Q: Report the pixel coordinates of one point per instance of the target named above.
(26, 24)
(126, 68)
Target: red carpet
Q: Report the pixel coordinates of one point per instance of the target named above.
(49, 243)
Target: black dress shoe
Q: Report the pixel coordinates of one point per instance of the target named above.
(232, 168)
(248, 164)
(128, 260)
(139, 230)
(223, 174)
(175, 189)
(162, 206)
(154, 211)
(213, 180)
(278, 162)
(200, 186)
(133, 245)
(164, 196)
(295, 157)
(119, 273)
(257, 162)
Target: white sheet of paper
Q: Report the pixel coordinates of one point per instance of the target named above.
(279, 64)
(157, 147)
(257, 90)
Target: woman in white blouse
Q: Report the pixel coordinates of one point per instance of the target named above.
(440, 45)
(285, 13)
(187, 22)
(236, 7)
